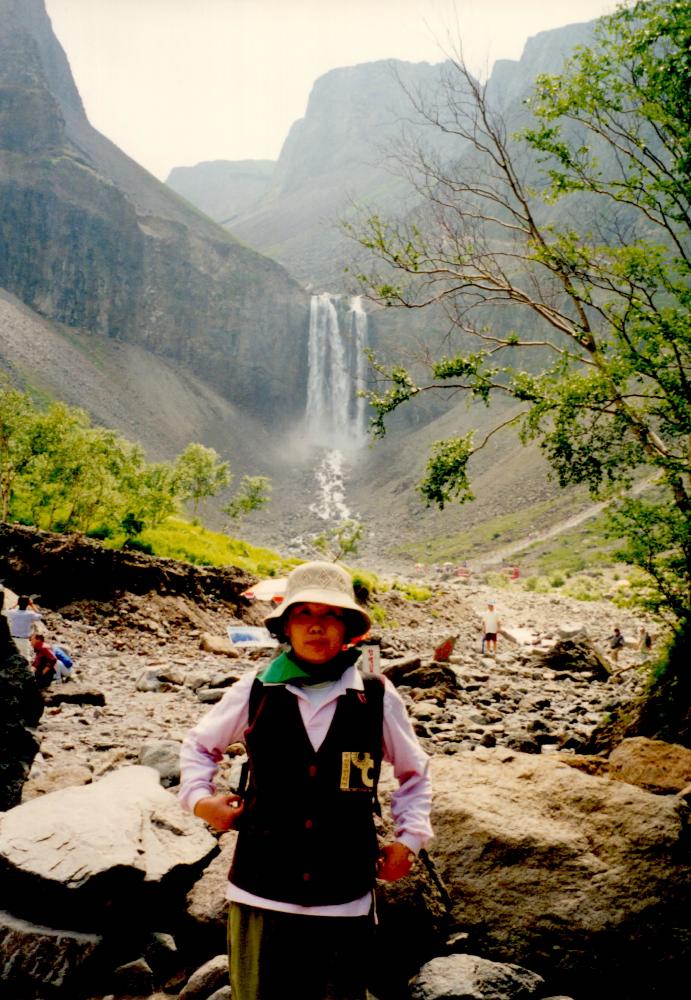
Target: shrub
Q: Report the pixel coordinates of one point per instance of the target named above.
(411, 591)
(100, 533)
(137, 545)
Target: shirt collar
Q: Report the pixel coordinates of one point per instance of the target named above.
(350, 678)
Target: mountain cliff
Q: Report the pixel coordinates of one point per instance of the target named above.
(339, 153)
(91, 240)
(347, 149)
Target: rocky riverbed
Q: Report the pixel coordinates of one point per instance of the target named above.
(512, 698)
(528, 819)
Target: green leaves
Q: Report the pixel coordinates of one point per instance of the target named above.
(61, 473)
(447, 472)
(252, 494)
(200, 474)
(593, 251)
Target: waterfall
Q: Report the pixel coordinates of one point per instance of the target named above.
(335, 415)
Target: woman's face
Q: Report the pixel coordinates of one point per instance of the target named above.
(316, 631)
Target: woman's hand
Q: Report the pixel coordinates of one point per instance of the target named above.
(394, 861)
(220, 811)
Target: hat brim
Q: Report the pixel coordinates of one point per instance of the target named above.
(358, 622)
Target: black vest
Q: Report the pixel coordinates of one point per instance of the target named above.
(307, 834)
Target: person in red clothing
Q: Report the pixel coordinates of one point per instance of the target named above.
(44, 661)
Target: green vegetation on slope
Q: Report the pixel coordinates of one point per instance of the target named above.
(179, 539)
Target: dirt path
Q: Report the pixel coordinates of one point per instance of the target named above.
(500, 555)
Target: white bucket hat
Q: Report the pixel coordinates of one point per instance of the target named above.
(320, 583)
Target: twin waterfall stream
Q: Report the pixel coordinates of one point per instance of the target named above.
(335, 416)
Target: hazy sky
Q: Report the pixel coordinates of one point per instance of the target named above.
(175, 82)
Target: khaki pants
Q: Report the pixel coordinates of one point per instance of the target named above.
(274, 955)
(24, 647)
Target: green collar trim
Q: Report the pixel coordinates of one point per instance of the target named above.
(287, 668)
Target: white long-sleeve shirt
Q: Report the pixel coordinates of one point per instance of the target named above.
(226, 723)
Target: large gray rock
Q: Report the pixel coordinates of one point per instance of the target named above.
(467, 977)
(561, 871)
(87, 855)
(33, 953)
(21, 707)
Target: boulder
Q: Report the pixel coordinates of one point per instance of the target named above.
(664, 768)
(33, 953)
(416, 675)
(562, 871)
(164, 757)
(21, 707)
(518, 635)
(467, 977)
(133, 979)
(207, 906)
(50, 778)
(573, 656)
(218, 644)
(73, 694)
(413, 924)
(150, 679)
(211, 976)
(120, 848)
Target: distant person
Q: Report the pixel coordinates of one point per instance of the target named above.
(22, 619)
(616, 642)
(64, 666)
(43, 663)
(644, 644)
(490, 628)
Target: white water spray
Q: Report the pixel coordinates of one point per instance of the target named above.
(335, 414)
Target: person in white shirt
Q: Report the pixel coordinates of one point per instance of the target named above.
(490, 628)
(307, 857)
(22, 621)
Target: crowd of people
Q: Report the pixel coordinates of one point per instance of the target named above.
(49, 662)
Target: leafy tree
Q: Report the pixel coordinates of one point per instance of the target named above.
(155, 490)
(80, 475)
(200, 474)
(340, 541)
(16, 419)
(252, 494)
(580, 225)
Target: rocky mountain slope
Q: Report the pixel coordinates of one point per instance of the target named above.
(91, 240)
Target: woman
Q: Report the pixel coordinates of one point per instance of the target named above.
(302, 879)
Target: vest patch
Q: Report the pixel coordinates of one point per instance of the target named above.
(357, 771)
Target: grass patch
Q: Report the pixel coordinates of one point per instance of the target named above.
(494, 533)
(192, 543)
(412, 591)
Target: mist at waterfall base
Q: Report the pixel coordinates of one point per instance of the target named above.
(335, 415)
